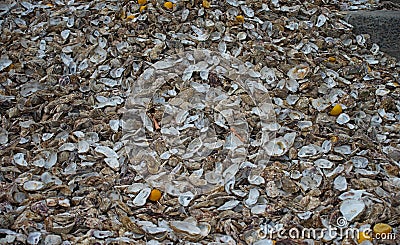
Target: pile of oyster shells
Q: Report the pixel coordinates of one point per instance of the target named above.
(222, 105)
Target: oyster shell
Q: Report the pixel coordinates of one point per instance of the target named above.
(351, 208)
(223, 106)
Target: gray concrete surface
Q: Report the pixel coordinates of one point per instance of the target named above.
(382, 25)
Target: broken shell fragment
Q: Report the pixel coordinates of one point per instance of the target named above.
(298, 72)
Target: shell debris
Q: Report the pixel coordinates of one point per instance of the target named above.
(195, 122)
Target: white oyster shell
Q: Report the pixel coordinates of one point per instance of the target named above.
(112, 163)
(351, 208)
(280, 145)
(229, 205)
(19, 159)
(106, 151)
(253, 197)
(340, 183)
(141, 197)
(83, 146)
(33, 185)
